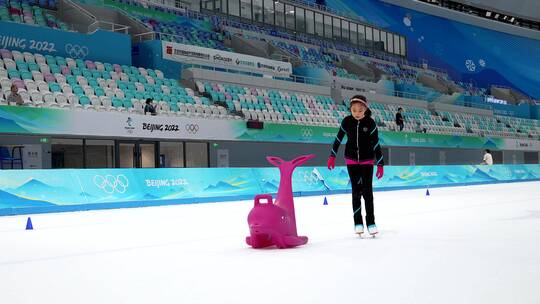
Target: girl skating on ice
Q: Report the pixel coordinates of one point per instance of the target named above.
(362, 152)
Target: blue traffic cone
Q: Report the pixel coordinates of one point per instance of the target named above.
(427, 192)
(325, 201)
(29, 224)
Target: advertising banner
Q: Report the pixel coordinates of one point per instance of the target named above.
(46, 121)
(35, 191)
(101, 45)
(199, 55)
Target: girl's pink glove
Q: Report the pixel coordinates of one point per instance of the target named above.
(380, 172)
(331, 163)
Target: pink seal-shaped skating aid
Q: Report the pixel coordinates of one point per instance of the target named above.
(274, 223)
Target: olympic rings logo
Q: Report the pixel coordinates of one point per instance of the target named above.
(310, 178)
(110, 184)
(76, 51)
(306, 132)
(192, 128)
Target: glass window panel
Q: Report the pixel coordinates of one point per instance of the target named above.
(99, 153)
(402, 46)
(396, 44)
(319, 25)
(171, 154)
(224, 6)
(289, 17)
(127, 155)
(327, 26)
(67, 153)
(336, 26)
(310, 22)
(196, 155)
(383, 39)
(245, 9)
(280, 14)
(300, 20)
(258, 10)
(390, 43)
(234, 7)
(148, 155)
(376, 35)
(354, 33)
(345, 30)
(361, 35)
(269, 11)
(369, 36)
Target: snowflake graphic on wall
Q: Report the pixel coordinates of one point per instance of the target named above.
(407, 20)
(482, 63)
(469, 64)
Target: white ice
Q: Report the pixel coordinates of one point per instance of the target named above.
(476, 244)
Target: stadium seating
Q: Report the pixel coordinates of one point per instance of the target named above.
(31, 12)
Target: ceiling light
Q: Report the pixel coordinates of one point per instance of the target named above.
(488, 14)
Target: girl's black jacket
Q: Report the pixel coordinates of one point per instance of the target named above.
(362, 140)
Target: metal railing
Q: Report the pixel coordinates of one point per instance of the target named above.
(477, 105)
(108, 26)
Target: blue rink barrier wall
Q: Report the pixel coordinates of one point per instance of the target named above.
(41, 191)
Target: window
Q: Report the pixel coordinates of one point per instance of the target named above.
(99, 153)
(345, 33)
(234, 7)
(361, 35)
(289, 17)
(245, 6)
(148, 155)
(396, 44)
(171, 154)
(376, 35)
(336, 28)
(354, 33)
(310, 22)
(67, 153)
(258, 10)
(390, 43)
(280, 14)
(209, 5)
(269, 11)
(402, 46)
(383, 39)
(224, 6)
(369, 37)
(196, 155)
(319, 25)
(327, 26)
(300, 20)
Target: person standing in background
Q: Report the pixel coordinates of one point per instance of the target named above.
(14, 98)
(488, 159)
(399, 119)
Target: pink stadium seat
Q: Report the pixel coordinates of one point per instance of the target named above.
(49, 77)
(19, 83)
(90, 65)
(117, 68)
(6, 54)
(65, 70)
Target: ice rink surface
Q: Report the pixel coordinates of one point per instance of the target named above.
(476, 244)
